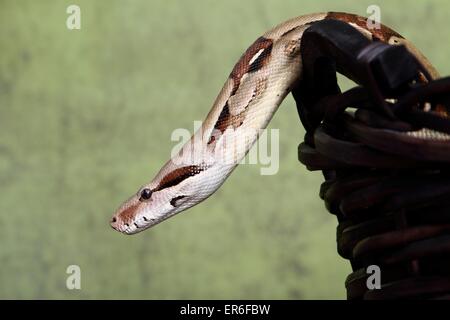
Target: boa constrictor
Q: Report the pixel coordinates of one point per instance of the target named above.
(257, 85)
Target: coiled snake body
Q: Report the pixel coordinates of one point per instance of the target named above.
(267, 71)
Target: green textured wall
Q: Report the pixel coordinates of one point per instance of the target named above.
(86, 118)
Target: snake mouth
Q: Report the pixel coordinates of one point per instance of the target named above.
(132, 227)
(138, 224)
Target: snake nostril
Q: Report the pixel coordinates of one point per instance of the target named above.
(114, 219)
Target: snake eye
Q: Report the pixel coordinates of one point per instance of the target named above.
(146, 194)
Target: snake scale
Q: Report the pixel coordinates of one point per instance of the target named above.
(264, 75)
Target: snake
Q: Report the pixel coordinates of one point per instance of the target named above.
(263, 76)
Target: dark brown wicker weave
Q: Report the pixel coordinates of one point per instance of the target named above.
(389, 191)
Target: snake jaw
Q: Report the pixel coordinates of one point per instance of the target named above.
(140, 224)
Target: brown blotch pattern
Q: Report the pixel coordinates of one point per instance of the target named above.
(243, 66)
(223, 121)
(383, 33)
(226, 119)
(178, 175)
(127, 215)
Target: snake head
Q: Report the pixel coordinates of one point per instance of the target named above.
(174, 189)
(146, 209)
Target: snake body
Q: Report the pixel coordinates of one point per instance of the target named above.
(267, 71)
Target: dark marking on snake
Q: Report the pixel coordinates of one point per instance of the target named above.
(383, 33)
(173, 202)
(224, 119)
(243, 66)
(128, 213)
(178, 175)
(261, 60)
